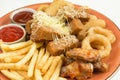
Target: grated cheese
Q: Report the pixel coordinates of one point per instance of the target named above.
(42, 19)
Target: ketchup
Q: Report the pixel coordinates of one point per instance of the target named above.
(22, 17)
(11, 33)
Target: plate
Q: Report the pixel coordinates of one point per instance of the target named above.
(113, 60)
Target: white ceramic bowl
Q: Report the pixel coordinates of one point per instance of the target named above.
(18, 11)
(22, 38)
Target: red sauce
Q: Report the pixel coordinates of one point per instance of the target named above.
(22, 17)
(11, 33)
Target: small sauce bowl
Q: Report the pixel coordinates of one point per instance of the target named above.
(12, 33)
(21, 16)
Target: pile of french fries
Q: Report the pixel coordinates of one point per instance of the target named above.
(29, 61)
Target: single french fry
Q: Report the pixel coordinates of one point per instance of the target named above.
(57, 71)
(43, 60)
(40, 55)
(17, 74)
(32, 64)
(19, 51)
(10, 75)
(6, 47)
(52, 68)
(39, 44)
(47, 65)
(28, 55)
(13, 59)
(38, 75)
(14, 53)
(12, 66)
(61, 78)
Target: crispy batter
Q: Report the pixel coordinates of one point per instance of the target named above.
(83, 54)
(59, 46)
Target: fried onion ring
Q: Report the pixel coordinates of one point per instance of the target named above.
(95, 22)
(101, 41)
(107, 33)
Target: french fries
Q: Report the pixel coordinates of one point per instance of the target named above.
(57, 71)
(17, 74)
(12, 66)
(10, 75)
(28, 56)
(40, 55)
(28, 63)
(13, 59)
(38, 75)
(32, 64)
(24, 74)
(6, 47)
(43, 60)
(14, 53)
(52, 68)
(48, 63)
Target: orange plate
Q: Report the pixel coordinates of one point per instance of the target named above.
(114, 58)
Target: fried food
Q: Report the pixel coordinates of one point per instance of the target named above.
(12, 66)
(11, 75)
(31, 66)
(53, 8)
(41, 53)
(76, 70)
(94, 23)
(65, 42)
(17, 74)
(100, 40)
(27, 66)
(52, 68)
(90, 55)
(105, 32)
(6, 47)
(28, 56)
(48, 64)
(13, 59)
(43, 60)
(15, 53)
(38, 75)
(82, 34)
(76, 26)
(28, 26)
(59, 46)
(42, 34)
(61, 78)
(100, 66)
(57, 71)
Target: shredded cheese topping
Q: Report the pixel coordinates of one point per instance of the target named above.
(42, 19)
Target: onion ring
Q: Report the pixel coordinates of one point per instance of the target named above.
(105, 32)
(95, 22)
(97, 38)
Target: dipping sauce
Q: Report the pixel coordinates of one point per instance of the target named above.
(11, 33)
(22, 17)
